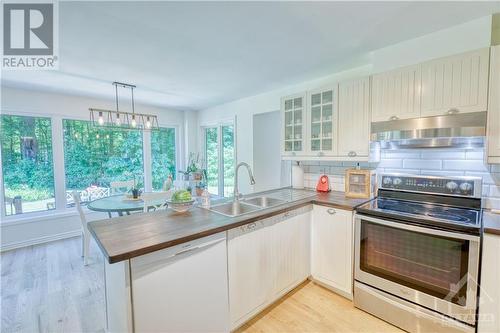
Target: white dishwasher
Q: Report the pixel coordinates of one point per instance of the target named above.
(182, 289)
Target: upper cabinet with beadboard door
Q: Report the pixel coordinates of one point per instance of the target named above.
(354, 118)
(293, 110)
(494, 107)
(396, 94)
(455, 84)
(322, 122)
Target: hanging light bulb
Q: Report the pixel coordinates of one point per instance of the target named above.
(97, 136)
(100, 120)
(133, 122)
(118, 120)
(148, 123)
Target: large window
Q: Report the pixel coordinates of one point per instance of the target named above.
(28, 175)
(95, 157)
(220, 159)
(162, 156)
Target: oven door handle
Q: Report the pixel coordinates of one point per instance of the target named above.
(423, 230)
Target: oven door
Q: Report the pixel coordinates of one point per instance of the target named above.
(433, 268)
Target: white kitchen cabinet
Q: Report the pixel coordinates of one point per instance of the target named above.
(293, 110)
(322, 122)
(250, 265)
(291, 245)
(266, 259)
(494, 107)
(396, 94)
(489, 297)
(332, 249)
(354, 118)
(456, 84)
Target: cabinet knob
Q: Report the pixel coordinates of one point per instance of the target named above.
(331, 211)
(352, 154)
(251, 226)
(394, 118)
(452, 111)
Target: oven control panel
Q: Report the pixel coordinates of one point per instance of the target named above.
(457, 186)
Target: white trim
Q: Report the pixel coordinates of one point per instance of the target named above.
(45, 215)
(40, 240)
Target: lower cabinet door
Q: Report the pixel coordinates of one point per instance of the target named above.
(291, 244)
(266, 259)
(249, 267)
(489, 297)
(332, 248)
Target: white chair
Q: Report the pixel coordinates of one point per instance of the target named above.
(85, 230)
(151, 199)
(115, 186)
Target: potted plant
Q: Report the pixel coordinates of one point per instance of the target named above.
(194, 168)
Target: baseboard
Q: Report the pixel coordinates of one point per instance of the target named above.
(39, 240)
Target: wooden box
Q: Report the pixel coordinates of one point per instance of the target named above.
(360, 183)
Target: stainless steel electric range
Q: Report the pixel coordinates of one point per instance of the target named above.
(417, 252)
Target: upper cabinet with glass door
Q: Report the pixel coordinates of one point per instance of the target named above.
(322, 123)
(294, 115)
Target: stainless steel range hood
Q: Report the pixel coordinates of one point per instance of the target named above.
(465, 131)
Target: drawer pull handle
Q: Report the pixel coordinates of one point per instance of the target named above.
(394, 118)
(453, 111)
(251, 226)
(352, 154)
(331, 211)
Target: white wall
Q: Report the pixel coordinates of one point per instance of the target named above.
(29, 229)
(468, 36)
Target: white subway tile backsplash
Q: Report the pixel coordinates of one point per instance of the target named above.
(422, 164)
(442, 154)
(465, 165)
(390, 163)
(444, 173)
(440, 162)
(474, 155)
(401, 154)
(494, 191)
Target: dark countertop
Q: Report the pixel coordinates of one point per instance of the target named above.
(130, 236)
(491, 222)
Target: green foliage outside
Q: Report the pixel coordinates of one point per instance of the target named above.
(162, 156)
(212, 158)
(27, 157)
(96, 156)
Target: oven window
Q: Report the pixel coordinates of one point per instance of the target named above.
(431, 264)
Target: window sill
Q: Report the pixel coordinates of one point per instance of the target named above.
(37, 217)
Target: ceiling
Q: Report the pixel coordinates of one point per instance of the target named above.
(193, 55)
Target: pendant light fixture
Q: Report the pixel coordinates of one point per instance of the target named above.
(121, 119)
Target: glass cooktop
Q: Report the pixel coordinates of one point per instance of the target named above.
(424, 211)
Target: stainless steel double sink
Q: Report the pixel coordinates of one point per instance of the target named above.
(244, 206)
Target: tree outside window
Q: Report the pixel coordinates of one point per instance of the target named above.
(27, 164)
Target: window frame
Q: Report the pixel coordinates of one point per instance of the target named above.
(220, 148)
(59, 167)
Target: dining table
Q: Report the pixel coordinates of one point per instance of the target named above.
(120, 204)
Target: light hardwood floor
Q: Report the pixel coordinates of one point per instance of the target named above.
(312, 308)
(46, 288)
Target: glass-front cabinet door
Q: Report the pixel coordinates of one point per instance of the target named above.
(293, 110)
(322, 122)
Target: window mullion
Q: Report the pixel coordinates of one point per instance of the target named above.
(146, 152)
(220, 155)
(58, 162)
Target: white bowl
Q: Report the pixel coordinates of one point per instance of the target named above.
(181, 207)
